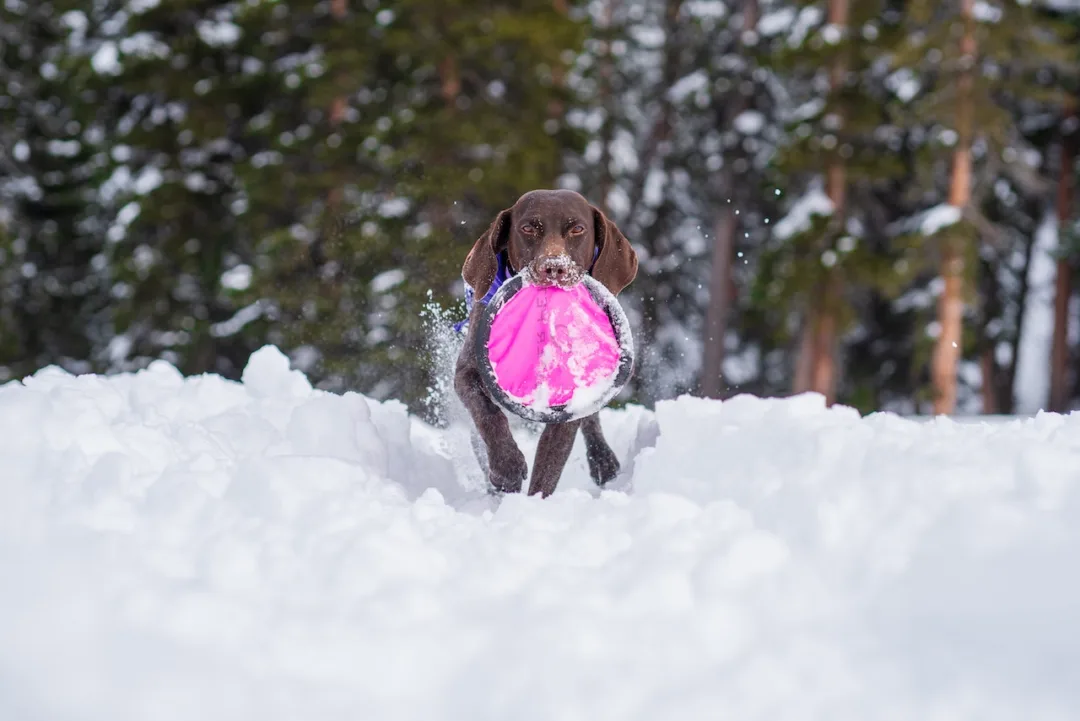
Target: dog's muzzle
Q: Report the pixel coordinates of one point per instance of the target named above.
(555, 270)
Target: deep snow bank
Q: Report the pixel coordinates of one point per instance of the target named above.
(198, 549)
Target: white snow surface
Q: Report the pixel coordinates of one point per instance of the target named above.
(177, 549)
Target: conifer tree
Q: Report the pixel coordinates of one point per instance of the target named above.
(52, 231)
(742, 108)
(1060, 394)
(830, 248)
(446, 121)
(970, 58)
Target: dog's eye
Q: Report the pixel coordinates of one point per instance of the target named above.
(528, 229)
(577, 229)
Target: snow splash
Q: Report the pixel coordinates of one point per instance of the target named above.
(443, 344)
(457, 441)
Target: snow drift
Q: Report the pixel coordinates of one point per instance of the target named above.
(198, 549)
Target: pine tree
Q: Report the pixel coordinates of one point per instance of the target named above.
(203, 87)
(1061, 353)
(52, 230)
(635, 70)
(970, 58)
(681, 124)
(832, 248)
(741, 107)
(447, 119)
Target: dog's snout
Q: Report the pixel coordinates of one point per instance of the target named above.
(553, 271)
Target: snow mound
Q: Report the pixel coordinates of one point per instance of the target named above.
(200, 549)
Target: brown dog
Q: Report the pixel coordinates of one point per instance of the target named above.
(556, 236)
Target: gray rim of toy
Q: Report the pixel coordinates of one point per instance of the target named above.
(554, 414)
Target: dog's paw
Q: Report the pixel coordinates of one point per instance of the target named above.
(507, 470)
(603, 465)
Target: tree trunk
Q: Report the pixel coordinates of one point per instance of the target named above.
(716, 316)
(1059, 353)
(1008, 393)
(996, 380)
(720, 281)
(655, 152)
(989, 373)
(951, 303)
(804, 357)
(817, 371)
(338, 9)
(947, 350)
(449, 80)
(334, 197)
(823, 380)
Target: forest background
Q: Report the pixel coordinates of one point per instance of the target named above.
(872, 200)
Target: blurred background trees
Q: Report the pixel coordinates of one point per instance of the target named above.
(872, 200)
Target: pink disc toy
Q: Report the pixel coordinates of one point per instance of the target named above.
(552, 354)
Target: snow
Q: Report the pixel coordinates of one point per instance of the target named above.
(985, 12)
(591, 395)
(904, 83)
(106, 59)
(650, 38)
(394, 207)
(238, 277)
(749, 122)
(684, 87)
(776, 21)
(938, 218)
(655, 182)
(195, 548)
(149, 180)
(76, 21)
(928, 222)
(832, 33)
(808, 17)
(218, 33)
(241, 318)
(144, 45)
(1033, 355)
(801, 215)
(387, 280)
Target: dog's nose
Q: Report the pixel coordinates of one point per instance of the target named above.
(555, 272)
(555, 268)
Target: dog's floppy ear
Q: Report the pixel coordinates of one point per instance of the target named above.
(617, 264)
(481, 264)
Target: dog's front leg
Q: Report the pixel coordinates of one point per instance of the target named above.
(551, 453)
(506, 465)
(603, 465)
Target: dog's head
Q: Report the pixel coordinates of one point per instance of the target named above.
(553, 236)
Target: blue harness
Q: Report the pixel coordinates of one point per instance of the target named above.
(503, 273)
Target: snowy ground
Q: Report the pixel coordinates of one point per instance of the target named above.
(198, 549)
